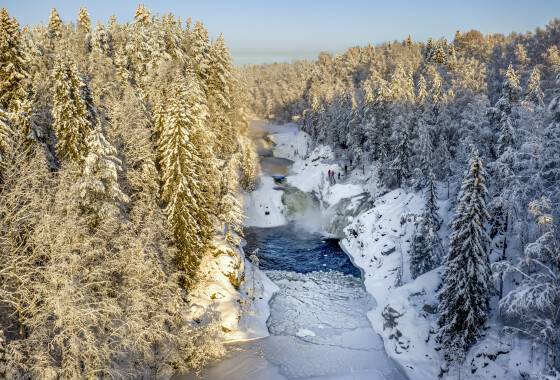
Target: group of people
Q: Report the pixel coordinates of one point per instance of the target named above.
(331, 175)
(332, 179)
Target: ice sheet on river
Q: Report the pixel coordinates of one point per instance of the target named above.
(319, 328)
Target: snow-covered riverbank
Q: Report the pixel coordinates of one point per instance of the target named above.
(376, 238)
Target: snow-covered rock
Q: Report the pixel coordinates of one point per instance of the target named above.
(263, 207)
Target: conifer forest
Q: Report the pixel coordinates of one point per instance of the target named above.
(388, 212)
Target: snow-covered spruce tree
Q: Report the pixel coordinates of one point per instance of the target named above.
(209, 171)
(55, 25)
(549, 172)
(140, 46)
(401, 87)
(6, 136)
(101, 40)
(230, 208)
(503, 167)
(250, 167)
(467, 287)
(220, 77)
(426, 148)
(200, 52)
(534, 94)
(84, 22)
(188, 220)
(451, 61)
(403, 150)
(426, 249)
(99, 190)
(534, 306)
(71, 123)
(422, 90)
(438, 56)
(429, 49)
(511, 91)
(13, 65)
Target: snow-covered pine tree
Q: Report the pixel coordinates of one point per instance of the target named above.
(186, 215)
(426, 249)
(535, 304)
(467, 287)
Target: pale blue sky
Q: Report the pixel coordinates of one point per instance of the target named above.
(264, 31)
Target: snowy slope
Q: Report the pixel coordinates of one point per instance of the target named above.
(292, 147)
(406, 311)
(379, 244)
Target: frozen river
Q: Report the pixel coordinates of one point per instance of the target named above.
(318, 323)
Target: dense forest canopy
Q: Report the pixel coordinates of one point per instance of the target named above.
(122, 148)
(478, 117)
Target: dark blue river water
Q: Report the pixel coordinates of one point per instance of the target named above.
(292, 248)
